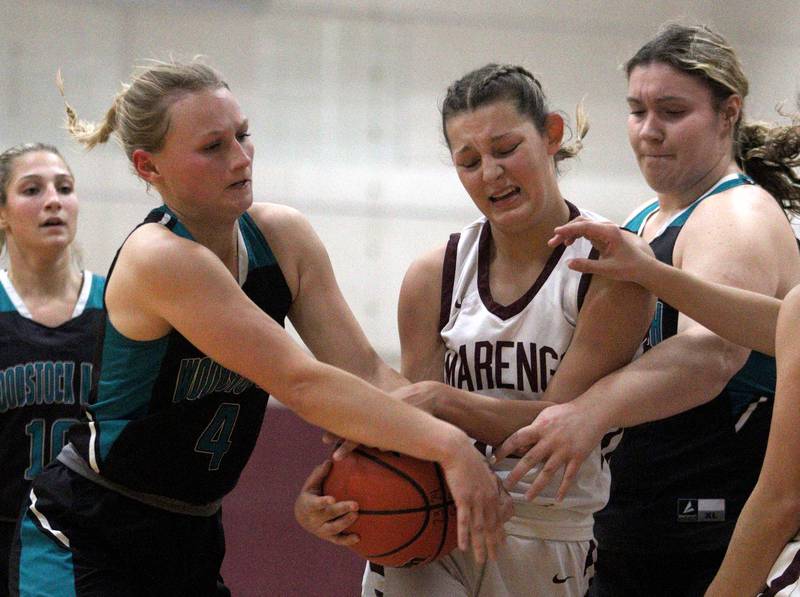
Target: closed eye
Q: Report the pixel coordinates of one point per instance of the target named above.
(509, 151)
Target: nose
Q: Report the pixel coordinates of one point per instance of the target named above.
(651, 130)
(492, 169)
(52, 197)
(241, 156)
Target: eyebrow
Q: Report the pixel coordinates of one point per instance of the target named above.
(40, 177)
(492, 139)
(661, 99)
(243, 124)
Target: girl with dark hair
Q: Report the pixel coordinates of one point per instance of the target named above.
(680, 483)
(494, 328)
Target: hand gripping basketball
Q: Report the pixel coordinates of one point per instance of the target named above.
(406, 515)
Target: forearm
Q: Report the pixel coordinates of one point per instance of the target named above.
(351, 408)
(486, 419)
(765, 525)
(676, 375)
(741, 316)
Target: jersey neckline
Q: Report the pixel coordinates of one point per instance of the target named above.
(22, 309)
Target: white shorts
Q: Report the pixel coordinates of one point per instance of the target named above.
(784, 578)
(525, 566)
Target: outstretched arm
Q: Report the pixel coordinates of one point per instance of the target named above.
(743, 317)
(319, 311)
(601, 323)
(771, 515)
(163, 281)
(736, 242)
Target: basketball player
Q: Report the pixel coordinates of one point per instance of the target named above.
(500, 328)
(49, 314)
(192, 342)
(680, 483)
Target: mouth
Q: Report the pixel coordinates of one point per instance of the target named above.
(241, 184)
(52, 222)
(505, 194)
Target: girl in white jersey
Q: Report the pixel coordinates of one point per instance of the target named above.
(679, 484)
(495, 328)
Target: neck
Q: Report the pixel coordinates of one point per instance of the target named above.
(221, 238)
(529, 244)
(43, 275)
(678, 200)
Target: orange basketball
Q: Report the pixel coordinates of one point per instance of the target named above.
(406, 515)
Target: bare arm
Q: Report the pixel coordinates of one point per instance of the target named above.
(491, 420)
(725, 245)
(484, 418)
(771, 515)
(740, 316)
(319, 312)
(163, 281)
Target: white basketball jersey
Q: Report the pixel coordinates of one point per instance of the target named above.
(513, 351)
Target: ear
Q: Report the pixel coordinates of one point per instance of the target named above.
(554, 132)
(3, 221)
(731, 109)
(145, 166)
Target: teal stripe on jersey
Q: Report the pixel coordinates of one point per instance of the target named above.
(5, 303)
(259, 253)
(757, 376)
(45, 568)
(95, 300)
(122, 399)
(636, 221)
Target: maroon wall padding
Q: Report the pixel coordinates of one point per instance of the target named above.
(267, 551)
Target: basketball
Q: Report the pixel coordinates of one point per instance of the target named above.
(406, 515)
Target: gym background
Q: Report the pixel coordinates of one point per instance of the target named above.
(342, 97)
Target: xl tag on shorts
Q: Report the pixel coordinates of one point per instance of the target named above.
(696, 510)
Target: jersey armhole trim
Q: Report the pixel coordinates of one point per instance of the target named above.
(448, 278)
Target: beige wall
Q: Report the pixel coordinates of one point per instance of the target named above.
(343, 96)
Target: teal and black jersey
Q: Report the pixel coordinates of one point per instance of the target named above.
(679, 484)
(45, 379)
(165, 420)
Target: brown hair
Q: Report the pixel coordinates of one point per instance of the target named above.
(498, 82)
(764, 151)
(7, 159)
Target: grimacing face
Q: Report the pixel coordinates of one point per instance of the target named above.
(504, 162)
(679, 137)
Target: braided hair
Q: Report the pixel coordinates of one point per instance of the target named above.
(507, 82)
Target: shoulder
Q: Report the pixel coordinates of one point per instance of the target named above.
(427, 268)
(276, 219)
(743, 210)
(152, 254)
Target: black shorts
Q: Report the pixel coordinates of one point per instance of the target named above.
(79, 539)
(631, 574)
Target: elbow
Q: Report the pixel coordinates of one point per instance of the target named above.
(299, 387)
(779, 503)
(724, 361)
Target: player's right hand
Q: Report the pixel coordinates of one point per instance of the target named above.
(482, 505)
(322, 515)
(623, 255)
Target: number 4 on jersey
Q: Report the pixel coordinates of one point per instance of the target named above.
(216, 438)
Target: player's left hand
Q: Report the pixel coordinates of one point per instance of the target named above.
(322, 515)
(561, 437)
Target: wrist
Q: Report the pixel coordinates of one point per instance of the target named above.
(452, 446)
